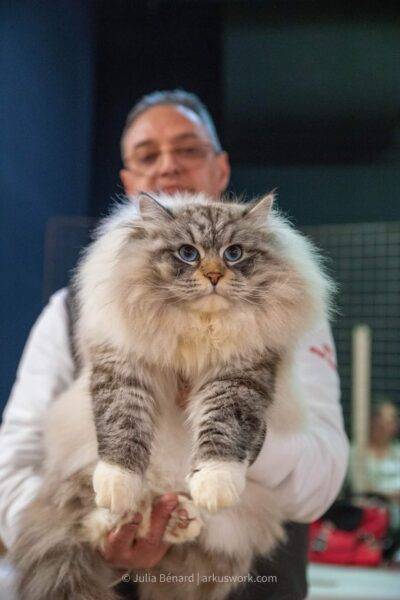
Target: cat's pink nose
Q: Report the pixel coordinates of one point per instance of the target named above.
(214, 277)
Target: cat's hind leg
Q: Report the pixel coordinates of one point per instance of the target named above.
(53, 557)
(185, 522)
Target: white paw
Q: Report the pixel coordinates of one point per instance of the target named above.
(116, 488)
(217, 484)
(180, 528)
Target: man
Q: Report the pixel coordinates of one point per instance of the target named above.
(170, 144)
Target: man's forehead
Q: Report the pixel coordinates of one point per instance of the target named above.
(164, 123)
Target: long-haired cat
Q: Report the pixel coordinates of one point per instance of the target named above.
(175, 292)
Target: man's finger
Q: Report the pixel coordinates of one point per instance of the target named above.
(160, 515)
(124, 536)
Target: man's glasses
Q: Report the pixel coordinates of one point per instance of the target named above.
(146, 161)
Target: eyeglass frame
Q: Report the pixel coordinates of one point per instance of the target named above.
(206, 145)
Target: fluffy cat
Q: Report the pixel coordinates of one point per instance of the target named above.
(175, 293)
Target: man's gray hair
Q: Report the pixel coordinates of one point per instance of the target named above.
(175, 98)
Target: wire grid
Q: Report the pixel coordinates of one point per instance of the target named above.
(364, 259)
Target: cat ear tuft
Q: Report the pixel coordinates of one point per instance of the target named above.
(150, 208)
(262, 208)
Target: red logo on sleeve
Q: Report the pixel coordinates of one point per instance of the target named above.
(326, 353)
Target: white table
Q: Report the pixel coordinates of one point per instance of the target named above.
(328, 582)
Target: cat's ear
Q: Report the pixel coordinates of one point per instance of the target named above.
(261, 209)
(150, 208)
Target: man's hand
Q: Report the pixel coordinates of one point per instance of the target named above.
(123, 551)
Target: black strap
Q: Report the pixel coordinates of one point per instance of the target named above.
(283, 576)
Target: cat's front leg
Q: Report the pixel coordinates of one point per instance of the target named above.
(124, 409)
(229, 417)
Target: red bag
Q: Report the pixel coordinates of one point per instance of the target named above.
(358, 543)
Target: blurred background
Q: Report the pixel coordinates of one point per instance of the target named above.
(306, 98)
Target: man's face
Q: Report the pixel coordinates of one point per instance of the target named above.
(163, 137)
(387, 420)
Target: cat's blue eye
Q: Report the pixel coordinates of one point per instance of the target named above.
(233, 253)
(189, 253)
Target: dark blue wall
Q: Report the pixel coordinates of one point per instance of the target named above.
(306, 100)
(46, 99)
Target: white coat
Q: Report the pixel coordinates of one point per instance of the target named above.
(306, 468)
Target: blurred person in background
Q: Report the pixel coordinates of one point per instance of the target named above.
(170, 144)
(382, 459)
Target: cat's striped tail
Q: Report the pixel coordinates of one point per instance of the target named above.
(52, 558)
